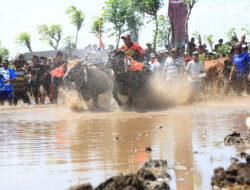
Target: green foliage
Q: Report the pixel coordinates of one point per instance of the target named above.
(209, 39)
(150, 7)
(231, 34)
(246, 31)
(52, 35)
(224, 48)
(4, 53)
(24, 39)
(196, 35)
(95, 26)
(116, 12)
(164, 31)
(77, 17)
(68, 43)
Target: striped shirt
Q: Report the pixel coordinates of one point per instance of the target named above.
(21, 77)
(172, 68)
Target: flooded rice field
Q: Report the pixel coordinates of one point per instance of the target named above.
(53, 148)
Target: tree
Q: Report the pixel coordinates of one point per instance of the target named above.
(190, 6)
(68, 43)
(52, 35)
(209, 39)
(77, 17)
(151, 7)
(134, 20)
(231, 34)
(246, 31)
(24, 39)
(95, 26)
(115, 12)
(164, 32)
(4, 53)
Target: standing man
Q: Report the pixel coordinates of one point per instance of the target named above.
(56, 81)
(149, 50)
(225, 72)
(20, 86)
(217, 46)
(194, 69)
(241, 67)
(37, 72)
(46, 77)
(191, 46)
(173, 67)
(7, 76)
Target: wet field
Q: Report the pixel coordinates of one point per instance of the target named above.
(51, 147)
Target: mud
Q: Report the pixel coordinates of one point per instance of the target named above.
(236, 138)
(238, 174)
(144, 179)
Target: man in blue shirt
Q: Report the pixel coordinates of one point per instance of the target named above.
(7, 76)
(241, 63)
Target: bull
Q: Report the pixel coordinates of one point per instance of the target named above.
(89, 81)
(126, 82)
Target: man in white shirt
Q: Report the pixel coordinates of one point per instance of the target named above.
(195, 71)
(173, 66)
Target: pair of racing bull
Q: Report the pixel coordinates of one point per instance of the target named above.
(90, 81)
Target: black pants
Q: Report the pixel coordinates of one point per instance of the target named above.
(21, 95)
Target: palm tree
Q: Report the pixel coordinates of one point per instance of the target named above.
(77, 17)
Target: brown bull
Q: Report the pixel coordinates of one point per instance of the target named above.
(213, 69)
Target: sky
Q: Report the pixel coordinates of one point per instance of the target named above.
(208, 17)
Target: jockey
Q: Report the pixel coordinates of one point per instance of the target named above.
(134, 50)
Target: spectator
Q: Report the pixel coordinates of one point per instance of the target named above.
(242, 41)
(241, 67)
(217, 46)
(149, 50)
(152, 61)
(46, 77)
(194, 69)
(20, 86)
(37, 72)
(56, 82)
(225, 72)
(159, 65)
(191, 46)
(7, 76)
(173, 67)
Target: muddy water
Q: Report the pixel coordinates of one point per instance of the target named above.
(53, 148)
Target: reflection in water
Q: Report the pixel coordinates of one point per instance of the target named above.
(59, 148)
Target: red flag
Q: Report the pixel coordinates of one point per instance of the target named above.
(177, 12)
(101, 45)
(58, 72)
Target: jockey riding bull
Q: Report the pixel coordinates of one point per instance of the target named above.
(134, 51)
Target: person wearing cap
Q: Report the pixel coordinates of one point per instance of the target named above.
(20, 86)
(241, 63)
(133, 49)
(173, 67)
(152, 61)
(225, 72)
(56, 82)
(7, 76)
(37, 72)
(194, 69)
(149, 50)
(191, 46)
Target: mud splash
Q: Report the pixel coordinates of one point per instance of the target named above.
(236, 176)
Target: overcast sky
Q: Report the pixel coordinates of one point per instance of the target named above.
(208, 17)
